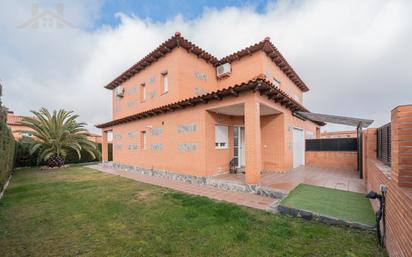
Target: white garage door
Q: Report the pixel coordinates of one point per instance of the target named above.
(298, 147)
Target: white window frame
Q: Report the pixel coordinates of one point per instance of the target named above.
(221, 136)
(143, 96)
(144, 135)
(165, 80)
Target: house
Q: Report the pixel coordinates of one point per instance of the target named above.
(339, 134)
(182, 110)
(19, 131)
(94, 137)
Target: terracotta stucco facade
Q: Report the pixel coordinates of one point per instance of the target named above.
(175, 130)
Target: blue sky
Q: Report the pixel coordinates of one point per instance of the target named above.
(166, 9)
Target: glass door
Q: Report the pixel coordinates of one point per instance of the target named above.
(239, 146)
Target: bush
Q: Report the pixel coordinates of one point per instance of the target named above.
(24, 159)
(7, 153)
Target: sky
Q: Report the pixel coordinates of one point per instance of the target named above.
(355, 56)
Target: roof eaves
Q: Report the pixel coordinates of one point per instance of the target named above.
(273, 53)
(259, 83)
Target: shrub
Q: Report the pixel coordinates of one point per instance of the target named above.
(7, 152)
(24, 159)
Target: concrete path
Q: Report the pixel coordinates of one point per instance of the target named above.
(347, 180)
(240, 198)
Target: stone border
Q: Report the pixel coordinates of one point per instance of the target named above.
(201, 180)
(308, 215)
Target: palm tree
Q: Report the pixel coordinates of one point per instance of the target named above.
(57, 134)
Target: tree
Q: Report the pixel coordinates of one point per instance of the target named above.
(57, 134)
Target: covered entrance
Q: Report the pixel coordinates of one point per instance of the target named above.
(349, 121)
(252, 135)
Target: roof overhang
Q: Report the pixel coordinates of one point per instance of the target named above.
(179, 41)
(327, 118)
(259, 84)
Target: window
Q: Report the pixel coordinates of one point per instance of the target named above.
(26, 134)
(276, 82)
(221, 137)
(143, 140)
(165, 82)
(142, 92)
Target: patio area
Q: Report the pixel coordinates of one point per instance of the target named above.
(341, 179)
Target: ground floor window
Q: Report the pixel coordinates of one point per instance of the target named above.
(143, 140)
(221, 137)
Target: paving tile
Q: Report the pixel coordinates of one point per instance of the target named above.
(240, 198)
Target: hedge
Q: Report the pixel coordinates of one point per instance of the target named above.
(24, 159)
(7, 153)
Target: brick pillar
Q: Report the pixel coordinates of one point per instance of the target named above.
(368, 150)
(253, 142)
(401, 133)
(317, 133)
(105, 151)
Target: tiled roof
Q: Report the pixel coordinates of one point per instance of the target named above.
(178, 41)
(260, 83)
(273, 53)
(14, 119)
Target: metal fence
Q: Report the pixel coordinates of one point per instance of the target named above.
(383, 147)
(332, 144)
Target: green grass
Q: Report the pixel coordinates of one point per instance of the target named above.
(82, 212)
(349, 206)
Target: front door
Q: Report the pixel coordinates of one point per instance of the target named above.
(239, 146)
(298, 147)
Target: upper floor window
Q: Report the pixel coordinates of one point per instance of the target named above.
(165, 82)
(142, 92)
(276, 82)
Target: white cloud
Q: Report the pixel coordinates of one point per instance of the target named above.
(354, 55)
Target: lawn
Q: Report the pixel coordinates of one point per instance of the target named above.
(82, 212)
(349, 206)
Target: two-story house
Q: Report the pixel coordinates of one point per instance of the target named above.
(182, 110)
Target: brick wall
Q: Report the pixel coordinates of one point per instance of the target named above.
(401, 130)
(399, 196)
(335, 160)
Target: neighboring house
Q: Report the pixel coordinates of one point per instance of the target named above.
(94, 138)
(339, 134)
(182, 110)
(19, 131)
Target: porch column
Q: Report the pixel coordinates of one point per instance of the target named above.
(253, 149)
(105, 151)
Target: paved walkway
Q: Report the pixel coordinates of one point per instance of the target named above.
(341, 179)
(240, 198)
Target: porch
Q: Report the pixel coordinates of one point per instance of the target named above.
(342, 179)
